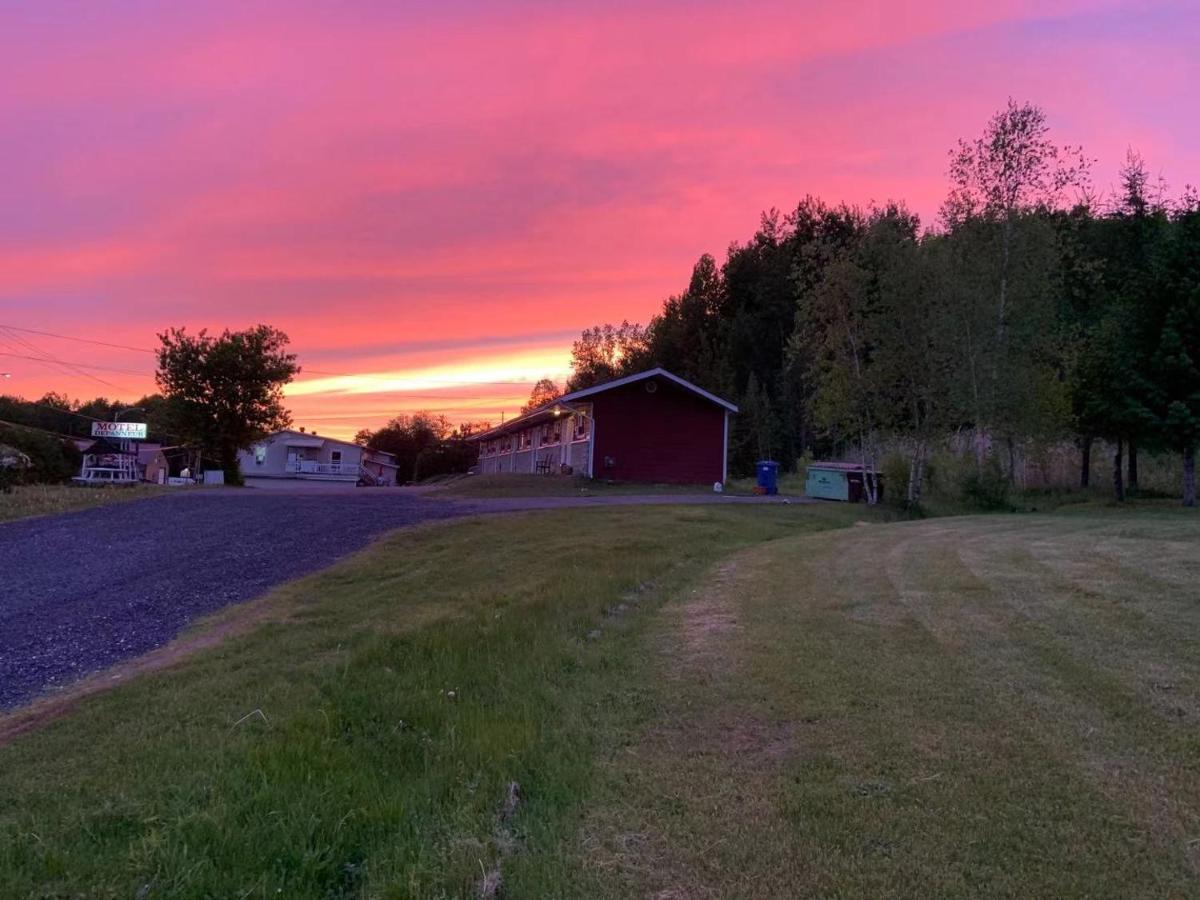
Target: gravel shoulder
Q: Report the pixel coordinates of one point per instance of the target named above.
(85, 590)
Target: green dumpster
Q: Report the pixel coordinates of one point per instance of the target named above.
(839, 481)
(826, 484)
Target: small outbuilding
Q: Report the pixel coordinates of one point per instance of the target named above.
(653, 427)
(152, 463)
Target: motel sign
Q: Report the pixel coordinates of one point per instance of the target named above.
(125, 431)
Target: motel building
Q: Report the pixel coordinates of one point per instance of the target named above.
(651, 427)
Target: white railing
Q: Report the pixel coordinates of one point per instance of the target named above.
(312, 467)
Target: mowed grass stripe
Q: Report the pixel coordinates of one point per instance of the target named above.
(921, 729)
(361, 741)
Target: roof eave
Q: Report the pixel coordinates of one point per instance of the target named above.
(642, 376)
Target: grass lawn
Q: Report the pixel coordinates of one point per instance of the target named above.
(361, 772)
(48, 499)
(998, 706)
(482, 486)
(695, 701)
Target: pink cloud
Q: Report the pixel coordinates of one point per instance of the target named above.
(365, 175)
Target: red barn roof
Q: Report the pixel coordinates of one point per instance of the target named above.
(556, 407)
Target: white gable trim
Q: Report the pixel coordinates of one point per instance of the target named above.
(642, 376)
(315, 437)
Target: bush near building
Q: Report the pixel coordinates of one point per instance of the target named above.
(52, 460)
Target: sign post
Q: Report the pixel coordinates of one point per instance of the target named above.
(106, 464)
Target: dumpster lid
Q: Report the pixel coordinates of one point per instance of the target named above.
(842, 467)
(767, 462)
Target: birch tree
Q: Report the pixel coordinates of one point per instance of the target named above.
(999, 181)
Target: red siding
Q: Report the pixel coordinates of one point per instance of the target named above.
(670, 435)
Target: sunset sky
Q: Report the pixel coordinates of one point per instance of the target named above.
(433, 199)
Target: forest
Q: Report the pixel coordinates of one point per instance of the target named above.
(1036, 320)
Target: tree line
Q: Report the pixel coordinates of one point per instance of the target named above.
(1030, 314)
(218, 394)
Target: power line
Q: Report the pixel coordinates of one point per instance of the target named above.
(80, 365)
(46, 357)
(68, 337)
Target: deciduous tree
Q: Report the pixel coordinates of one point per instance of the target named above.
(605, 352)
(225, 392)
(544, 391)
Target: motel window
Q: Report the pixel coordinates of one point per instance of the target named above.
(525, 439)
(551, 432)
(335, 456)
(260, 454)
(583, 422)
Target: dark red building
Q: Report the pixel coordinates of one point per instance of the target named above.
(652, 426)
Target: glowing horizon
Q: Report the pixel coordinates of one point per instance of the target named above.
(433, 202)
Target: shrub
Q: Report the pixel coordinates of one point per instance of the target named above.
(985, 487)
(52, 459)
(10, 476)
(895, 480)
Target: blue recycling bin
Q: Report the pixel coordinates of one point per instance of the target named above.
(768, 476)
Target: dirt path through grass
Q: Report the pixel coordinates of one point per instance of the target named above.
(711, 761)
(1000, 706)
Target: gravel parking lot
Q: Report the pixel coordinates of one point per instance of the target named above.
(81, 591)
(84, 590)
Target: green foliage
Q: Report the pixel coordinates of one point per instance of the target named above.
(226, 392)
(756, 430)
(425, 445)
(895, 472)
(10, 477)
(986, 487)
(448, 457)
(52, 459)
(1028, 317)
(73, 418)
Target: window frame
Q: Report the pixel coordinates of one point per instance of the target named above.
(581, 428)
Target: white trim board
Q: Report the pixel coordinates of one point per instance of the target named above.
(642, 376)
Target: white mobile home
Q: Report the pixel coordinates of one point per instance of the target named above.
(305, 455)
